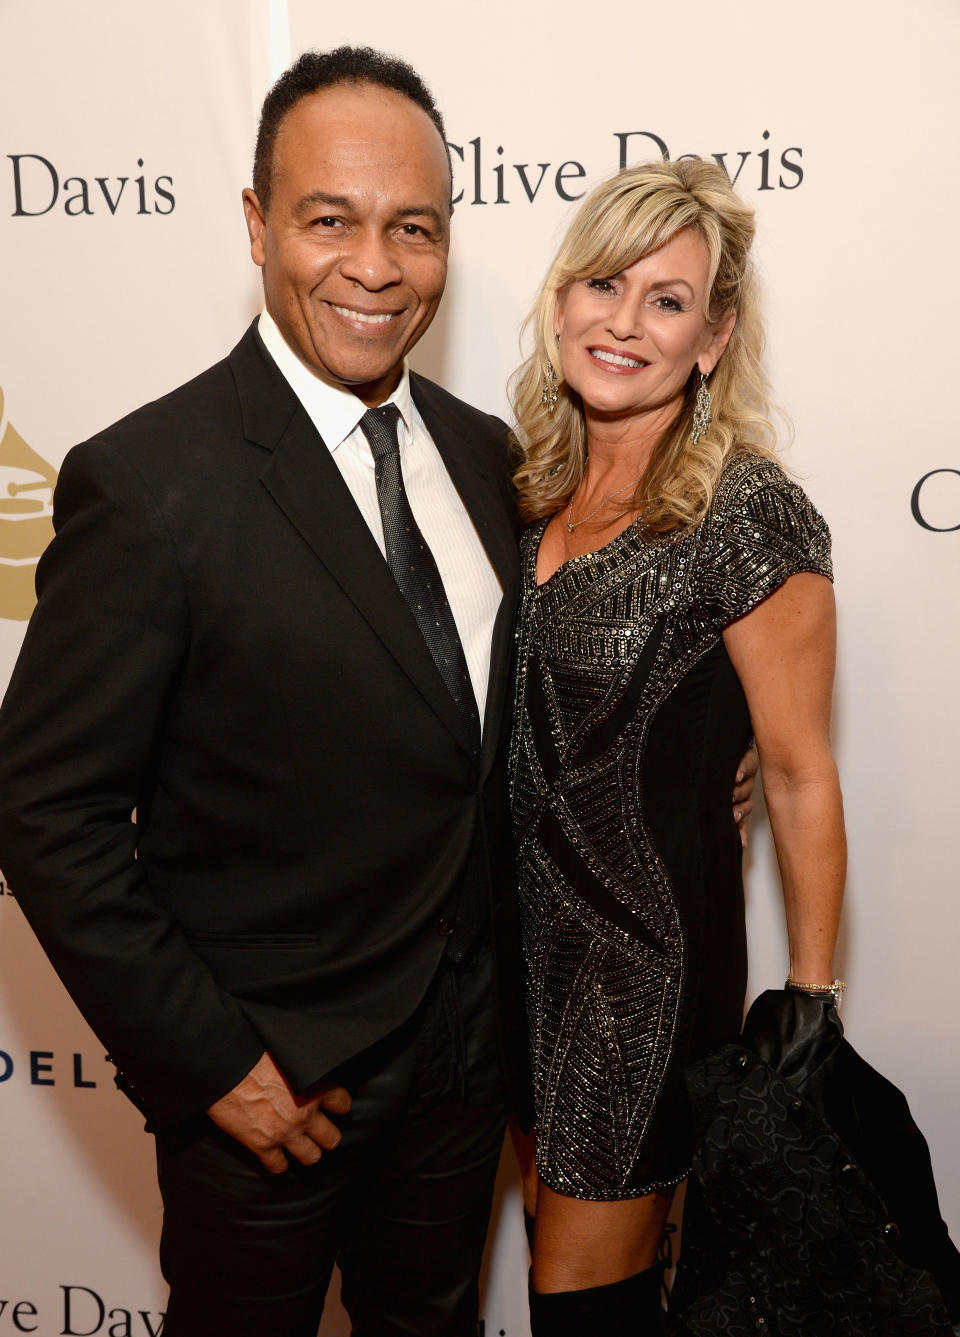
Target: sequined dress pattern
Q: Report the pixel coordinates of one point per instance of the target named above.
(630, 723)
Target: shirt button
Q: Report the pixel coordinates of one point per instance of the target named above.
(444, 928)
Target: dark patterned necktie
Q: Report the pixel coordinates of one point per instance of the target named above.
(412, 564)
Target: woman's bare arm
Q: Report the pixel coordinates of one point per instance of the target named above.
(784, 653)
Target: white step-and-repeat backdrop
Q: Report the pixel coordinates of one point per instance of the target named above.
(126, 132)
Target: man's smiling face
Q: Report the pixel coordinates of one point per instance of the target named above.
(354, 242)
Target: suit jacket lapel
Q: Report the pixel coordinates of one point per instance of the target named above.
(307, 486)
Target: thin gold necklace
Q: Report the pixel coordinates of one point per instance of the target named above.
(574, 524)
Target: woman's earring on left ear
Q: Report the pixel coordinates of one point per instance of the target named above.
(702, 411)
(551, 388)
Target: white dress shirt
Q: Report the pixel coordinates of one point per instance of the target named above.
(472, 588)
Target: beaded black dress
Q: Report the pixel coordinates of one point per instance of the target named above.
(630, 725)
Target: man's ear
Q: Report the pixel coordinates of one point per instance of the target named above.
(719, 338)
(256, 226)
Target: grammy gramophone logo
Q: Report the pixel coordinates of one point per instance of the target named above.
(26, 523)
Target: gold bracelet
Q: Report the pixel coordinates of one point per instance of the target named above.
(836, 988)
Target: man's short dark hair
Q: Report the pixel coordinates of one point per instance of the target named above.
(325, 69)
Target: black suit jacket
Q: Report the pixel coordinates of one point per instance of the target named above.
(219, 644)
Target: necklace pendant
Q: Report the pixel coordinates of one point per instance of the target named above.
(569, 527)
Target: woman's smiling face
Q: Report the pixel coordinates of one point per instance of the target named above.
(629, 341)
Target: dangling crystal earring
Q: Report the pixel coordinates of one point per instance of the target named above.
(551, 388)
(702, 411)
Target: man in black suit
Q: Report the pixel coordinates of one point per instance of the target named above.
(291, 656)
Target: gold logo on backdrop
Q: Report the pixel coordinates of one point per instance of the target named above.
(26, 519)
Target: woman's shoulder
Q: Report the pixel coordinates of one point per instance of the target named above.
(761, 529)
(746, 473)
(757, 486)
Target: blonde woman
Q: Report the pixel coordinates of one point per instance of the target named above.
(677, 598)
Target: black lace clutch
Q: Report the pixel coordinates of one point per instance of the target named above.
(811, 1209)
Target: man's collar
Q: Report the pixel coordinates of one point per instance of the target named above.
(334, 410)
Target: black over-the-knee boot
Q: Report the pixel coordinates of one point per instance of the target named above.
(629, 1308)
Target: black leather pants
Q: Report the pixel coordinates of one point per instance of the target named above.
(401, 1205)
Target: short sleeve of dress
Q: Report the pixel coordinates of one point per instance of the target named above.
(761, 529)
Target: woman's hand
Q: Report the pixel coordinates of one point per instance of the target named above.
(743, 790)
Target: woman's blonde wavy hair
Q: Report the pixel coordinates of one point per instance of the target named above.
(620, 221)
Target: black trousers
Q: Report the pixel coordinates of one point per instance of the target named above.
(401, 1205)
